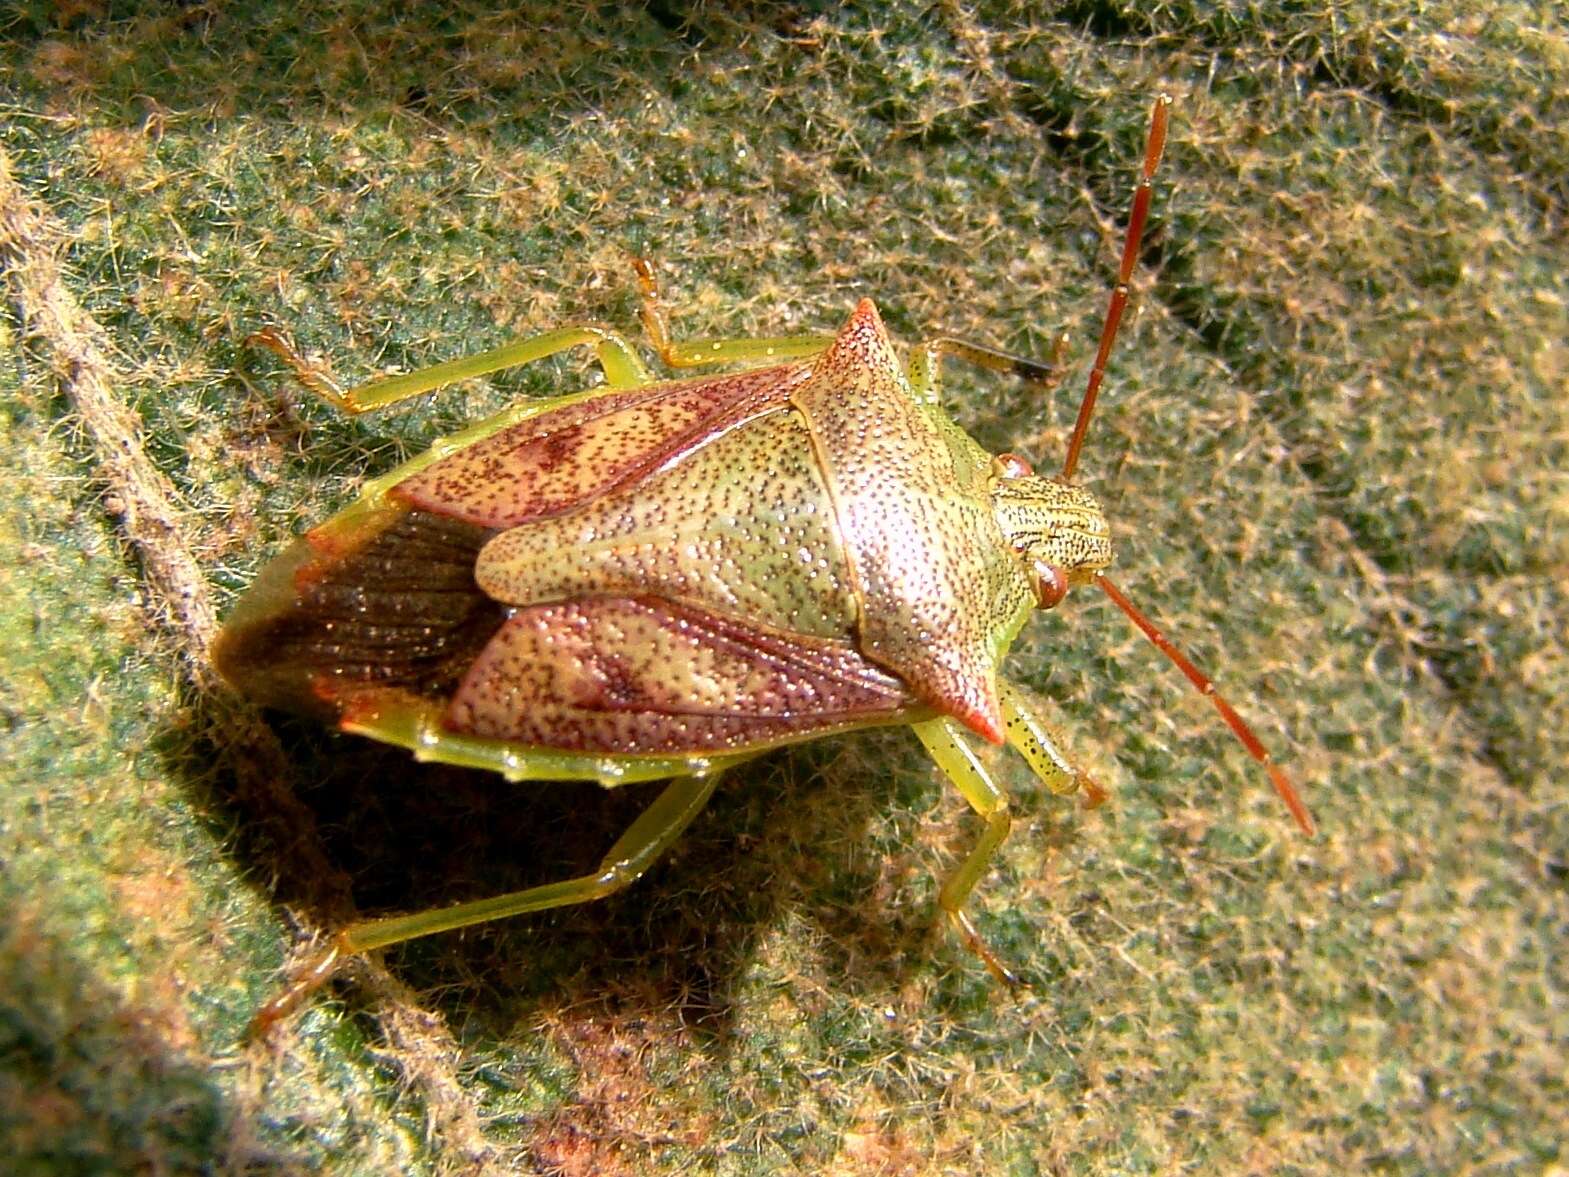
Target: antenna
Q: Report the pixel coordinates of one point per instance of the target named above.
(1154, 148)
(1283, 786)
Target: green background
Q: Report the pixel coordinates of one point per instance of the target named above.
(1332, 445)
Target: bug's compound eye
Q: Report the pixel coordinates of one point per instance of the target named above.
(1011, 466)
(1050, 584)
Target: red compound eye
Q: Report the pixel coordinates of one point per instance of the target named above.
(1011, 466)
(1050, 583)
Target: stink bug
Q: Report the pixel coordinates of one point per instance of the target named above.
(663, 578)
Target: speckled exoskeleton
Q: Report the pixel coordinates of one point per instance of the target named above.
(663, 578)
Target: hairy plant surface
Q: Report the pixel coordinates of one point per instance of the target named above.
(1332, 444)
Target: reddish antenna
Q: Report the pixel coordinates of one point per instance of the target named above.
(1154, 147)
(1283, 786)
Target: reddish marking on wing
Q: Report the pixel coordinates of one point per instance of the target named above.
(559, 447)
(620, 688)
(548, 464)
(623, 676)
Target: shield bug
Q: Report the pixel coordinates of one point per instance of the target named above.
(659, 579)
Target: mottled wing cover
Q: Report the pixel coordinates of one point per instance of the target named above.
(556, 461)
(620, 675)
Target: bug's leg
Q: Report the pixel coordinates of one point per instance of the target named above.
(926, 364)
(616, 356)
(653, 833)
(698, 353)
(1039, 743)
(954, 755)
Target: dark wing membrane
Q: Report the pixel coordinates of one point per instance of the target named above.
(392, 604)
(564, 457)
(623, 676)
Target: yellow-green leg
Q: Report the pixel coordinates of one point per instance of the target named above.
(653, 833)
(926, 364)
(1034, 739)
(948, 747)
(700, 353)
(616, 356)
(1040, 744)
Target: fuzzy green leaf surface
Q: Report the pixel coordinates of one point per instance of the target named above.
(1332, 446)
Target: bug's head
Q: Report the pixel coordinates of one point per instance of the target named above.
(1058, 529)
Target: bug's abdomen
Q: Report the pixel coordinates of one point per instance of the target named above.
(391, 604)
